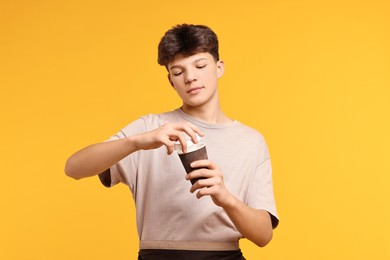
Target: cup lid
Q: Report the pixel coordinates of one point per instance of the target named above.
(177, 146)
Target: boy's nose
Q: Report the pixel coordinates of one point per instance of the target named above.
(190, 76)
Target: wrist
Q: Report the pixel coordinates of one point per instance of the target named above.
(132, 143)
(230, 203)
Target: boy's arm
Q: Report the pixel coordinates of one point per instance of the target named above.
(97, 158)
(253, 224)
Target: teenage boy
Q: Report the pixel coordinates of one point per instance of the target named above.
(174, 219)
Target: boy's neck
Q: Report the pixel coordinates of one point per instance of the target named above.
(208, 114)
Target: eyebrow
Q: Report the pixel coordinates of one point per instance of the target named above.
(195, 61)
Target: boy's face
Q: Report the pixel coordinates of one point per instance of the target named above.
(195, 78)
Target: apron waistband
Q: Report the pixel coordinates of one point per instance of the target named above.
(189, 245)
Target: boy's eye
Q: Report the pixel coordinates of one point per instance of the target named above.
(176, 73)
(200, 66)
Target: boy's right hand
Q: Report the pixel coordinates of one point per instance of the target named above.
(167, 135)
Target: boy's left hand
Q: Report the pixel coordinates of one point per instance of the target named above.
(213, 184)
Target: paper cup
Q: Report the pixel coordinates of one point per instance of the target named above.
(195, 152)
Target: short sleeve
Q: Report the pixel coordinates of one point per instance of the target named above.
(261, 194)
(124, 171)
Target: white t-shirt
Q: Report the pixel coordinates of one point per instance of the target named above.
(168, 215)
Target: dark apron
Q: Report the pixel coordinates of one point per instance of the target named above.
(160, 254)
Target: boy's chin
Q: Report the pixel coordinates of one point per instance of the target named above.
(193, 104)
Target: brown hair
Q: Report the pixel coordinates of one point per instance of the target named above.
(186, 40)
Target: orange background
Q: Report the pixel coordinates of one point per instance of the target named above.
(312, 76)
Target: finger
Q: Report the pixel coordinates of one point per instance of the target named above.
(200, 194)
(182, 140)
(192, 133)
(177, 136)
(170, 149)
(199, 173)
(204, 163)
(209, 191)
(202, 183)
(194, 128)
(169, 144)
(191, 130)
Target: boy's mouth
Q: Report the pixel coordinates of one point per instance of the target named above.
(194, 90)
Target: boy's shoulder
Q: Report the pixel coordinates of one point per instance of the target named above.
(152, 121)
(250, 131)
(160, 118)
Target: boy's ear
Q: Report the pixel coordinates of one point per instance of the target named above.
(170, 81)
(220, 68)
